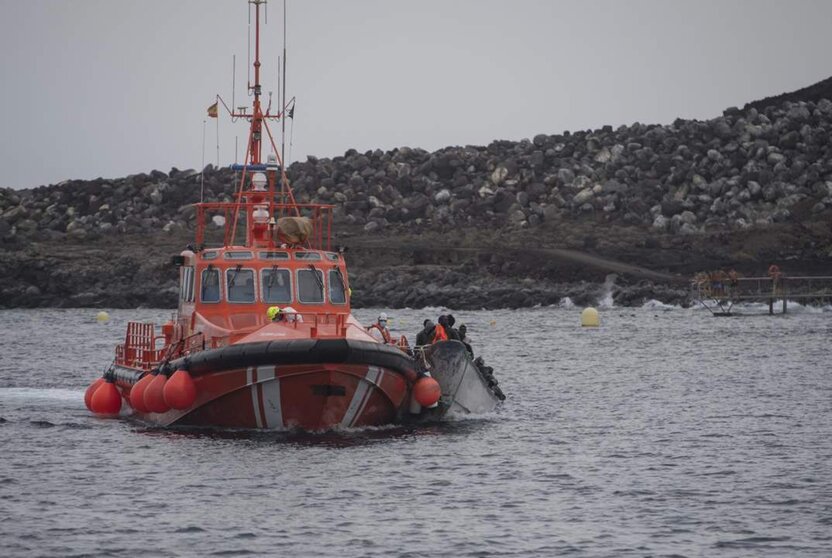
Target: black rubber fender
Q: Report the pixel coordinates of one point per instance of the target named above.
(294, 351)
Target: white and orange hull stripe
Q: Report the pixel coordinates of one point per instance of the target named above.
(365, 389)
(265, 396)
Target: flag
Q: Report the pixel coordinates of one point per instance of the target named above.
(212, 110)
(291, 113)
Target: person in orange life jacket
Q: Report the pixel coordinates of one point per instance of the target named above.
(442, 328)
(425, 337)
(453, 333)
(379, 329)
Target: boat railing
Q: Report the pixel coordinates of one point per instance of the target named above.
(315, 320)
(248, 223)
(141, 346)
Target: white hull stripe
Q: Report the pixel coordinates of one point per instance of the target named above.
(270, 390)
(362, 395)
(251, 378)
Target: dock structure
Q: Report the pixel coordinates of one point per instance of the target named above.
(720, 291)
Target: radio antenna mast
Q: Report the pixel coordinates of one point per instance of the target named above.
(202, 172)
(283, 101)
(233, 81)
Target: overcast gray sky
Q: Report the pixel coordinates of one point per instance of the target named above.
(107, 88)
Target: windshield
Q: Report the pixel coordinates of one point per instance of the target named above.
(240, 283)
(210, 291)
(310, 286)
(336, 287)
(276, 285)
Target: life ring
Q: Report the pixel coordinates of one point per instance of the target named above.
(385, 334)
(774, 271)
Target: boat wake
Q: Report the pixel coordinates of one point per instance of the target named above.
(28, 394)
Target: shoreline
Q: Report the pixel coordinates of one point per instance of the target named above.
(471, 270)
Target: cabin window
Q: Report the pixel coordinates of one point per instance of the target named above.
(238, 255)
(240, 284)
(310, 286)
(308, 256)
(210, 285)
(209, 255)
(276, 285)
(274, 255)
(337, 294)
(186, 288)
(332, 256)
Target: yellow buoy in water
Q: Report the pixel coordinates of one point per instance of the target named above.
(590, 318)
(102, 317)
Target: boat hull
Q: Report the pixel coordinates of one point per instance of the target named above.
(286, 384)
(465, 389)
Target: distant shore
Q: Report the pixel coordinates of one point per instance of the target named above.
(466, 269)
(641, 208)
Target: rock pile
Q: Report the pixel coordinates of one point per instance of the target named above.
(743, 169)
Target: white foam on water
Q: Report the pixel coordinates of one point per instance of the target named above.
(566, 302)
(41, 394)
(606, 301)
(799, 308)
(654, 304)
(791, 308)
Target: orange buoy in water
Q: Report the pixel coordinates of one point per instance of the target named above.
(427, 391)
(137, 393)
(154, 398)
(106, 400)
(90, 391)
(180, 391)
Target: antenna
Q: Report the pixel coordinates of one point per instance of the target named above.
(233, 81)
(202, 172)
(248, 58)
(283, 101)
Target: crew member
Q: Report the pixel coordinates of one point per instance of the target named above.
(285, 314)
(453, 333)
(425, 337)
(291, 315)
(441, 331)
(379, 330)
(463, 336)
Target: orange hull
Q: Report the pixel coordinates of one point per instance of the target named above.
(309, 397)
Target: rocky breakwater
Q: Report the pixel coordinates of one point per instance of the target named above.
(743, 189)
(740, 170)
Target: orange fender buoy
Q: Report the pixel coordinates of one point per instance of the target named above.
(106, 400)
(427, 391)
(137, 393)
(90, 391)
(154, 398)
(180, 390)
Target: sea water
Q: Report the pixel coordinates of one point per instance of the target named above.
(664, 432)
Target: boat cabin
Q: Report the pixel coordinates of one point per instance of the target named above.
(232, 288)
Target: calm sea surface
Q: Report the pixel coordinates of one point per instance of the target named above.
(665, 432)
